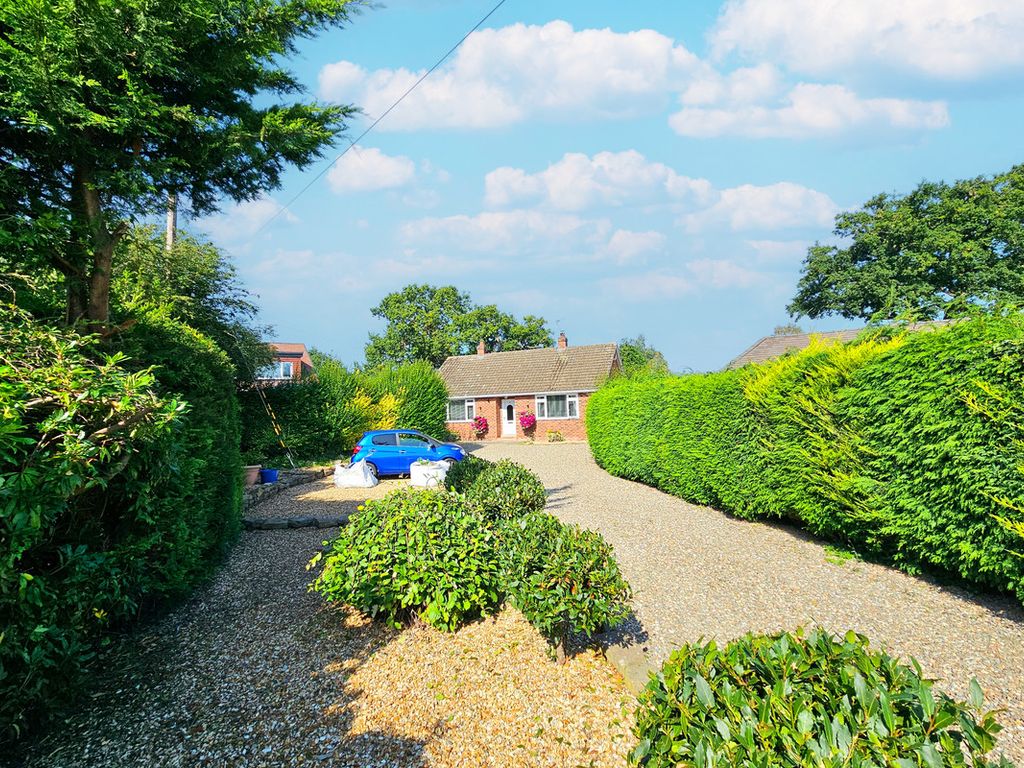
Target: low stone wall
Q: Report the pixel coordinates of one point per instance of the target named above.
(287, 478)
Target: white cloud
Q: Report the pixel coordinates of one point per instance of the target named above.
(240, 221)
(367, 170)
(775, 206)
(503, 76)
(577, 182)
(779, 252)
(810, 110)
(721, 273)
(648, 286)
(508, 232)
(626, 245)
(958, 40)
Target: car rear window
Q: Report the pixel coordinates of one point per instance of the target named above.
(383, 439)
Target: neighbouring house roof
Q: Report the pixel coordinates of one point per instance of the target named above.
(296, 352)
(530, 371)
(771, 347)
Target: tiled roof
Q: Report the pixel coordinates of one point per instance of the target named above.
(771, 347)
(292, 351)
(529, 371)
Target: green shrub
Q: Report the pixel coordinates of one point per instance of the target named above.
(74, 511)
(464, 473)
(906, 447)
(423, 553)
(507, 490)
(801, 700)
(563, 578)
(422, 394)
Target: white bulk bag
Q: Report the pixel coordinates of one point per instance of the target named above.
(428, 474)
(357, 475)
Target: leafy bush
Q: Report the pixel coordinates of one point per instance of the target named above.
(464, 473)
(904, 446)
(321, 418)
(563, 578)
(74, 422)
(507, 490)
(797, 700)
(422, 394)
(422, 553)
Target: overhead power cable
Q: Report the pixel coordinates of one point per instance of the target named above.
(384, 114)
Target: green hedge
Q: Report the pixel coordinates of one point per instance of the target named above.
(118, 485)
(322, 417)
(906, 446)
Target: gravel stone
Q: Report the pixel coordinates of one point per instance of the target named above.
(256, 671)
(697, 572)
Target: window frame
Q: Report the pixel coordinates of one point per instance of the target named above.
(469, 409)
(572, 403)
(276, 371)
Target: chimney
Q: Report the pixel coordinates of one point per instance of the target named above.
(563, 343)
(481, 348)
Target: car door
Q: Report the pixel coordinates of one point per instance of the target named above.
(383, 454)
(411, 447)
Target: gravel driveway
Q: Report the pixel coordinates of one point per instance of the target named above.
(698, 572)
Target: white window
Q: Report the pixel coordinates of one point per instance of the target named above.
(558, 406)
(276, 371)
(461, 410)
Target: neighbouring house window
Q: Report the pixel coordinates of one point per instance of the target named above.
(461, 410)
(277, 370)
(558, 406)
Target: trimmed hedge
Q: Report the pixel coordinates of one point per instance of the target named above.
(464, 473)
(905, 446)
(119, 484)
(804, 699)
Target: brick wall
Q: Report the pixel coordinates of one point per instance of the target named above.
(571, 429)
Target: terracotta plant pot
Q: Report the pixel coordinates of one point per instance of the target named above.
(252, 474)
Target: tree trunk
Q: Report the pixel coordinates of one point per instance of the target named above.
(103, 242)
(172, 221)
(560, 656)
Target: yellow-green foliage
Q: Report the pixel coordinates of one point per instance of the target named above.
(908, 446)
(387, 409)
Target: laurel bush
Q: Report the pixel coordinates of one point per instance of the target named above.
(803, 699)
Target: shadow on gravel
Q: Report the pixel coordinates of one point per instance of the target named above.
(250, 672)
(560, 496)
(1003, 606)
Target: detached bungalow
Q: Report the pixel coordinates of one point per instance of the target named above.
(552, 384)
(291, 363)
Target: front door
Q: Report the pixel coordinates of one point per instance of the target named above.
(508, 418)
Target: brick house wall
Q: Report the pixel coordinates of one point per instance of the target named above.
(489, 408)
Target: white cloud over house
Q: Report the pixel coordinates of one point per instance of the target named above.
(368, 170)
(810, 111)
(513, 74)
(503, 76)
(782, 205)
(953, 40)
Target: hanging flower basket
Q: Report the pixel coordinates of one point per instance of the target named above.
(527, 421)
(479, 425)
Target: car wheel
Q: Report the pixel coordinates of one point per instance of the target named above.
(373, 470)
(449, 463)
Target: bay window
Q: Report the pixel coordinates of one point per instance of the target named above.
(558, 406)
(461, 410)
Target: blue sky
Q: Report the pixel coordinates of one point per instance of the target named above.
(654, 168)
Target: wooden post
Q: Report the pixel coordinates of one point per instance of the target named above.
(172, 221)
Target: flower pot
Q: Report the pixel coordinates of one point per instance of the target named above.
(268, 476)
(252, 474)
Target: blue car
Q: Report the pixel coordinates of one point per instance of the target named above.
(393, 451)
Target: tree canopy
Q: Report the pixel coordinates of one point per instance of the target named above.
(108, 107)
(637, 355)
(426, 322)
(939, 247)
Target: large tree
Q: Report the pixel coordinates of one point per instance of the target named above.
(637, 355)
(107, 107)
(928, 252)
(426, 322)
